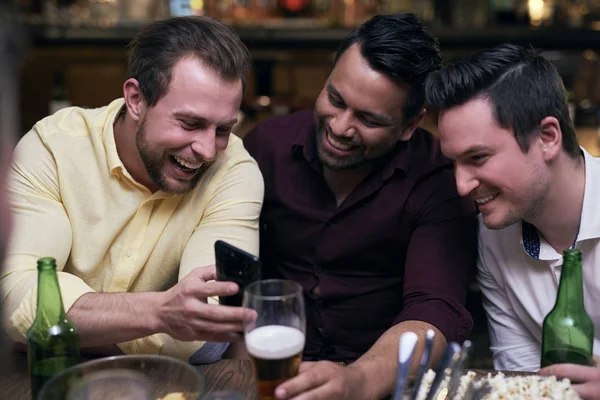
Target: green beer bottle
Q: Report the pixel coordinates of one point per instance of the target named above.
(568, 331)
(52, 340)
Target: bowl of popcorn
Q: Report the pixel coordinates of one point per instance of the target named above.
(502, 387)
(129, 377)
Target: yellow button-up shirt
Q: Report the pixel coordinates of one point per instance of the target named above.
(73, 200)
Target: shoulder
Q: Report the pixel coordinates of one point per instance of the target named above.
(431, 172)
(235, 159)
(427, 156)
(279, 133)
(234, 154)
(62, 134)
(75, 122)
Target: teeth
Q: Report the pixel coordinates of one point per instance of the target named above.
(486, 199)
(188, 164)
(337, 144)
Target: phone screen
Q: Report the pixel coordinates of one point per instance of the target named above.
(235, 265)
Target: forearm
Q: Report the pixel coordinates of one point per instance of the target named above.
(109, 318)
(377, 367)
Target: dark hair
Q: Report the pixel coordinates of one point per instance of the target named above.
(521, 85)
(159, 45)
(400, 47)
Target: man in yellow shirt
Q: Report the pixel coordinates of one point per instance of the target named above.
(130, 199)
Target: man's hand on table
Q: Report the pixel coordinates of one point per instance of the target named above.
(584, 380)
(184, 313)
(323, 380)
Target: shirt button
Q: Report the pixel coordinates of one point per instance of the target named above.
(129, 253)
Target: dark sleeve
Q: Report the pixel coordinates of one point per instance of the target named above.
(441, 257)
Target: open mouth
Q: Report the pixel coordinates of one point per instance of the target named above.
(183, 165)
(485, 200)
(338, 145)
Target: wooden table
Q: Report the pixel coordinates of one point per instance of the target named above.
(224, 375)
(235, 375)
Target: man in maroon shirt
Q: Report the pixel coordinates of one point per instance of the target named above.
(361, 209)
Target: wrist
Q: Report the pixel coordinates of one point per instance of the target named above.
(363, 385)
(155, 306)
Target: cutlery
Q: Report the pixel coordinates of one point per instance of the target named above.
(479, 391)
(425, 357)
(444, 369)
(469, 391)
(406, 348)
(459, 369)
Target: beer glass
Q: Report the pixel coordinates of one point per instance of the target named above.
(275, 339)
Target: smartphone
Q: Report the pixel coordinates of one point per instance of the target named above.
(236, 265)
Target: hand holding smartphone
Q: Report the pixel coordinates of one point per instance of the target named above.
(236, 265)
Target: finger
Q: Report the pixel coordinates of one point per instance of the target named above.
(306, 365)
(589, 390)
(222, 314)
(575, 373)
(323, 392)
(215, 288)
(303, 382)
(217, 328)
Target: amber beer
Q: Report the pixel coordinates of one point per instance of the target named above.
(276, 352)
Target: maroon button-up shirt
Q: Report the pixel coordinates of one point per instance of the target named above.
(402, 246)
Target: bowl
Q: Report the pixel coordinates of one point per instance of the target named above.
(129, 377)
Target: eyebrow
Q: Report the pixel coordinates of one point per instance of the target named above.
(472, 150)
(384, 119)
(196, 119)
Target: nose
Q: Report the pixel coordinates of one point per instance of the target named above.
(341, 124)
(465, 180)
(204, 145)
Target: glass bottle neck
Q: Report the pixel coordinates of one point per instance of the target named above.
(570, 289)
(50, 308)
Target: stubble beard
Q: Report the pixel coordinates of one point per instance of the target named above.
(332, 161)
(154, 163)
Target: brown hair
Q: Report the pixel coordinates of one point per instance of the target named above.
(158, 46)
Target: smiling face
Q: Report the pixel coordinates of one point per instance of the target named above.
(359, 114)
(490, 167)
(188, 126)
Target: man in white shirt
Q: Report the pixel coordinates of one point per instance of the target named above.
(504, 121)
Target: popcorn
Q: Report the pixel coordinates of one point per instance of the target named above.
(507, 388)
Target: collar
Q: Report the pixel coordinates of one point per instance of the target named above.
(305, 144)
(115, 109)
(589, 224)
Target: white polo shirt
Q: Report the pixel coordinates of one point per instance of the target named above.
(519, 273)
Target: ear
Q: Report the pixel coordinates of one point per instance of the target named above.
(550, 138)
(412, 126)
(134, 99)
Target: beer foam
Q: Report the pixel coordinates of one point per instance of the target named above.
(274, 342)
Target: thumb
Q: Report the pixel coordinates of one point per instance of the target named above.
(205, 274)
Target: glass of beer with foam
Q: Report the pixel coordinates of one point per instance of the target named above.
(275, 339)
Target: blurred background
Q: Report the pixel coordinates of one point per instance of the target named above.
(77, 51)
(78, 46)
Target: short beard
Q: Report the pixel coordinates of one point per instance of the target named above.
(154, 164)
(331, 161)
